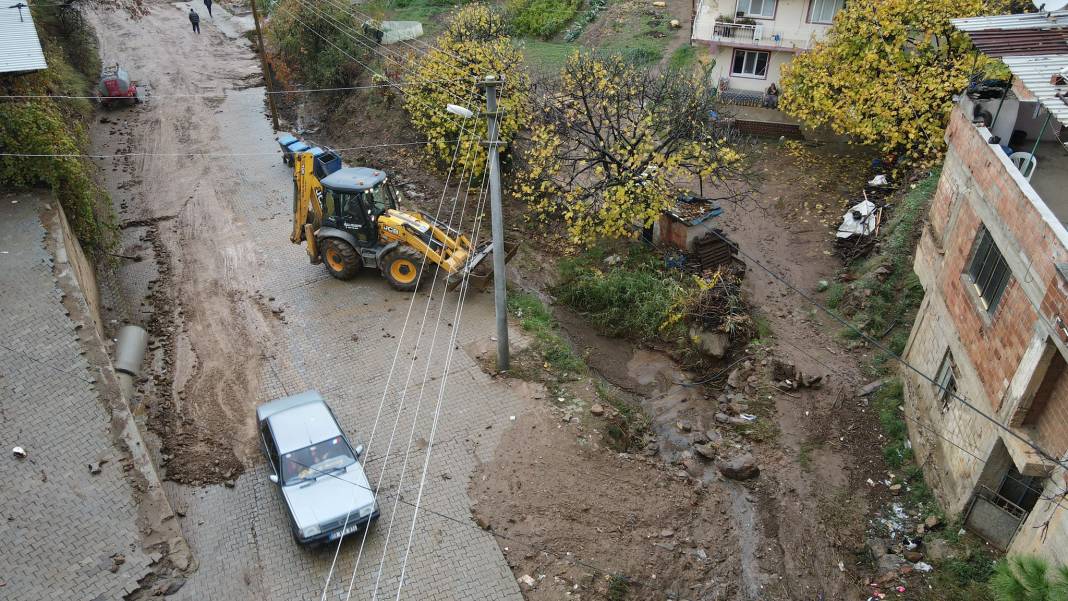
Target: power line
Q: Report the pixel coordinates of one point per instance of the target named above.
(211, 154)
(426, 373)
(385, 390)
(1037, 449)
(569, 557)
(224, 94)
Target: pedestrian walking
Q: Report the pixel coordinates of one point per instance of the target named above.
(207, 5)
(194, 18)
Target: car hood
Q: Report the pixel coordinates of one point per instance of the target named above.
(328, 498)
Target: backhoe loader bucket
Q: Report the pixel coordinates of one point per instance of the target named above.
(479, 270)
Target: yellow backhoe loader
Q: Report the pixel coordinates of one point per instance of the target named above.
(349, 219)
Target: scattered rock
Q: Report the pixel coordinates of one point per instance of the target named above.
(665, 546)
(482, 522)
(870, 387)
(597, 410)
(887, 566)
(527, 582)
(895, 489)
(783, 370)
(736, 379)
(174, 586)
(714, 344)
(877, 547)
(667, 533)
(722, 418)
(683, 425)
(19, 452)
(705, 450)
(939, 550)
(912, 556)
(742, 467)
(932, 522)
(692, 467)
(822, 285)
(675, 24)
(94, 468)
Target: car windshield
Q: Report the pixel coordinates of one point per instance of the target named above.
(316, 460)
(382, 198)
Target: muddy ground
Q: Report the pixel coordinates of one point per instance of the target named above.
(795, 532)
(570, 510)
(200, 303)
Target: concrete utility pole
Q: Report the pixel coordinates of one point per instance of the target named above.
(263, 62)
(500, 281)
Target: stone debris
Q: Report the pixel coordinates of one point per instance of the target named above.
(597, 410)
(742, 467)
(527, 582)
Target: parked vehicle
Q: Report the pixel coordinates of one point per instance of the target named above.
(317, 471)
(115, 84)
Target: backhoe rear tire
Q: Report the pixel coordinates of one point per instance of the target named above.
(340, 258)
(402, 267)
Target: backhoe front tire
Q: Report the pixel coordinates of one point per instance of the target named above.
(402, 267)
(340, 258)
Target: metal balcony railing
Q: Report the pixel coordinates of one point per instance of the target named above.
(725, 31)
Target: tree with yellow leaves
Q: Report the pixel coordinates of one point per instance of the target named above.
(614, 144)
(886, 74)
(474, 45)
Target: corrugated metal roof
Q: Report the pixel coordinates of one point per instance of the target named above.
(1035, 72)
(1044, 20)
(20, 50)
(1031, 34)
(1011, 42)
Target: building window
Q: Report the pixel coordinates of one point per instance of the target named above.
(823, 11)
(988, 270)
(750, 63)
(762, 9)
(946, 381)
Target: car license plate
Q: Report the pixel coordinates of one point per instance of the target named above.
(345, 532)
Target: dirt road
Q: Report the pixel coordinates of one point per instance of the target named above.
(203, 307)
(239, 317)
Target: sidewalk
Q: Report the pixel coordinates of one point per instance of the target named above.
(66, 533)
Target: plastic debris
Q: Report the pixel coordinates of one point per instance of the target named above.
(922, 566)
(860, 219)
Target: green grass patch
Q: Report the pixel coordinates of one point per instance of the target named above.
(632, 298)
(426, 12)
(536, 320)
(546, 58)
(541, 18)
(683, 59)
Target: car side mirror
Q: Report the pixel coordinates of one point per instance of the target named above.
(273, 478)
(359, 450)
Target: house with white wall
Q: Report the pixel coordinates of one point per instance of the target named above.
(751, 40)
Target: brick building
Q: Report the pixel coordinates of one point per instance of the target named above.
(993, 262)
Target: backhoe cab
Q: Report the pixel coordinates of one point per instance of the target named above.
(349, 219)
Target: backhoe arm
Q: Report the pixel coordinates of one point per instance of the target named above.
(307, 207)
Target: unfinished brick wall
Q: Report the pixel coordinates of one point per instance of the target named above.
(1048, 414)
(995, 342)
(990, 350)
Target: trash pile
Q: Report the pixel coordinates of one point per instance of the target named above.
(859, 229)
(719, 305)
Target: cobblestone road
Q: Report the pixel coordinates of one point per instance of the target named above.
(60, 526)
(339, 338)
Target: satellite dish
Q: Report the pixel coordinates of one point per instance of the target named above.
(1049, 5)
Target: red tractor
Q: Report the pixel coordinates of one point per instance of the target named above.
(115, 85)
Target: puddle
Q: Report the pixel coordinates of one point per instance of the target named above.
(747, 532)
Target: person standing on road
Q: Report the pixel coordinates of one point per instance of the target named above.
(207, 5)
(194, 18)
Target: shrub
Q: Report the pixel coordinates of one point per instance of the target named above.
(37, 126)
(309, 42)
(473, 45)
(541, 18)
(630, 299)
(1028, 578)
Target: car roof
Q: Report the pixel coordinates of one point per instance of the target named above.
(353, 179)
(306, 424)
